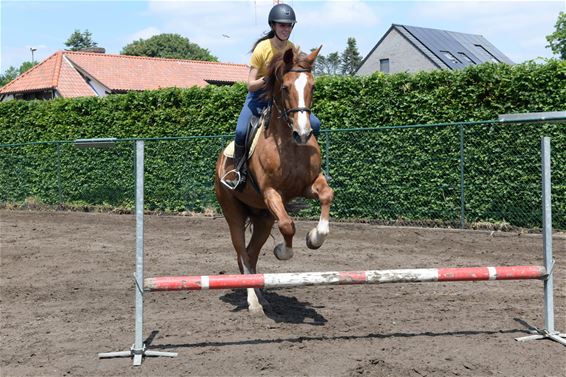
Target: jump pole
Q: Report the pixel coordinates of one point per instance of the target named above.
(301, 279)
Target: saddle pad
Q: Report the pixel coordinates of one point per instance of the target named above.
(229, 150)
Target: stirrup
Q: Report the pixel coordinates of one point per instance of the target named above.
(231, 183)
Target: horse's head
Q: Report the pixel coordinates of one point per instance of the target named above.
(291, 85)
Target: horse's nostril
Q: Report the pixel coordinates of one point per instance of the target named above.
(296, 137)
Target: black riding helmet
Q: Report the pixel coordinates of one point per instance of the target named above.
(282, 13)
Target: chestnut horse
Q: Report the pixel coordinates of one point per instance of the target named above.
(285, 164)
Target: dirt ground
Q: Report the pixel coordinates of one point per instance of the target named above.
(67, 293)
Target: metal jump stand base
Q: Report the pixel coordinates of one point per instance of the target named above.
(137, 354)
(538, 334)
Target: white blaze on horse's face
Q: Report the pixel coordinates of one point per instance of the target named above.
(303, 116)
(297, 102)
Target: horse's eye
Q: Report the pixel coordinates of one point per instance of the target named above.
(284, 88)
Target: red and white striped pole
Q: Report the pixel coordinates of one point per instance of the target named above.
(286, 280)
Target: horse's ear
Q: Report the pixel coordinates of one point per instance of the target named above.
(288, 58)
(312, 56)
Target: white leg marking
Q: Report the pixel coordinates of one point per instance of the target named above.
(323, 227)
(254, 305)
(317, 235)
(253, 301)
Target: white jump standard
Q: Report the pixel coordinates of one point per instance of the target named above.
(138, 349)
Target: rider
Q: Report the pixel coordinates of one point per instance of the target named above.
(281, 21)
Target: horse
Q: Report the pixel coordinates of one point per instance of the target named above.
(285, 164)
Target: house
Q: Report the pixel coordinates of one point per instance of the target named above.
(410, 49)
(81, 73)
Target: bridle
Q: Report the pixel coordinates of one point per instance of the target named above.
(283, 112)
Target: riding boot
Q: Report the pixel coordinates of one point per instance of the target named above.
(240, 165)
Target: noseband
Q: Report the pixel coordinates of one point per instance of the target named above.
(284, 113)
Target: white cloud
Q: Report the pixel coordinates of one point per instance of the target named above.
(334, 14)
(227, 29)
(486, 17)
(142, 34)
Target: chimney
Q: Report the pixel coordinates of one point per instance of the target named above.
(98, 50)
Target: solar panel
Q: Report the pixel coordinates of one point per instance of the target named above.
(457, 50)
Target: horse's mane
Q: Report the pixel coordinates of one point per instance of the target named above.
(278, 67)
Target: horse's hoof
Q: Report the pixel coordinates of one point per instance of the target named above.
(256, 311)
(283, 253)
(311, 245)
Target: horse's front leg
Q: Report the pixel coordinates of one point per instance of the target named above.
(275, 204)
(321, 191)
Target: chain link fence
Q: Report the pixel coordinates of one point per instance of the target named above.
(464, 175)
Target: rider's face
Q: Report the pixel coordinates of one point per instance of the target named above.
(283, 31)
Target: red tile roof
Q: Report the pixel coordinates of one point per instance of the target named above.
(118, 73)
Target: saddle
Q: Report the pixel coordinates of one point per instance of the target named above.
(232, 178)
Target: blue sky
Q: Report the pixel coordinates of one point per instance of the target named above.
(229, 28)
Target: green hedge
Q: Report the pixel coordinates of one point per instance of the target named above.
(476, 93)
(160, 113)
(379, 172)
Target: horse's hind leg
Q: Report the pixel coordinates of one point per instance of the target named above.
(236, 215)
(321, 191)
(262, 225)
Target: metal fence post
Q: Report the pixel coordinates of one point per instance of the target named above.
(59, 188)
(462, 182)
(327, 153)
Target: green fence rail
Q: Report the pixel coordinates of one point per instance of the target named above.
(468, 174)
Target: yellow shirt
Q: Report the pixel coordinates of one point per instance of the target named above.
(262, 54)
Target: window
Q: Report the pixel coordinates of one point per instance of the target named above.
(384, 65)
(465, 57)
(450, 57)
(41, 95)
(493, 58)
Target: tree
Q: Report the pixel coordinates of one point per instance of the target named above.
(557, 40)
(78, 41)
(350, 59)
(26, 66)
(172, 46)
(9, 75)
(339, 64)
(333, 61)
(12, 72)
(327, 65)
